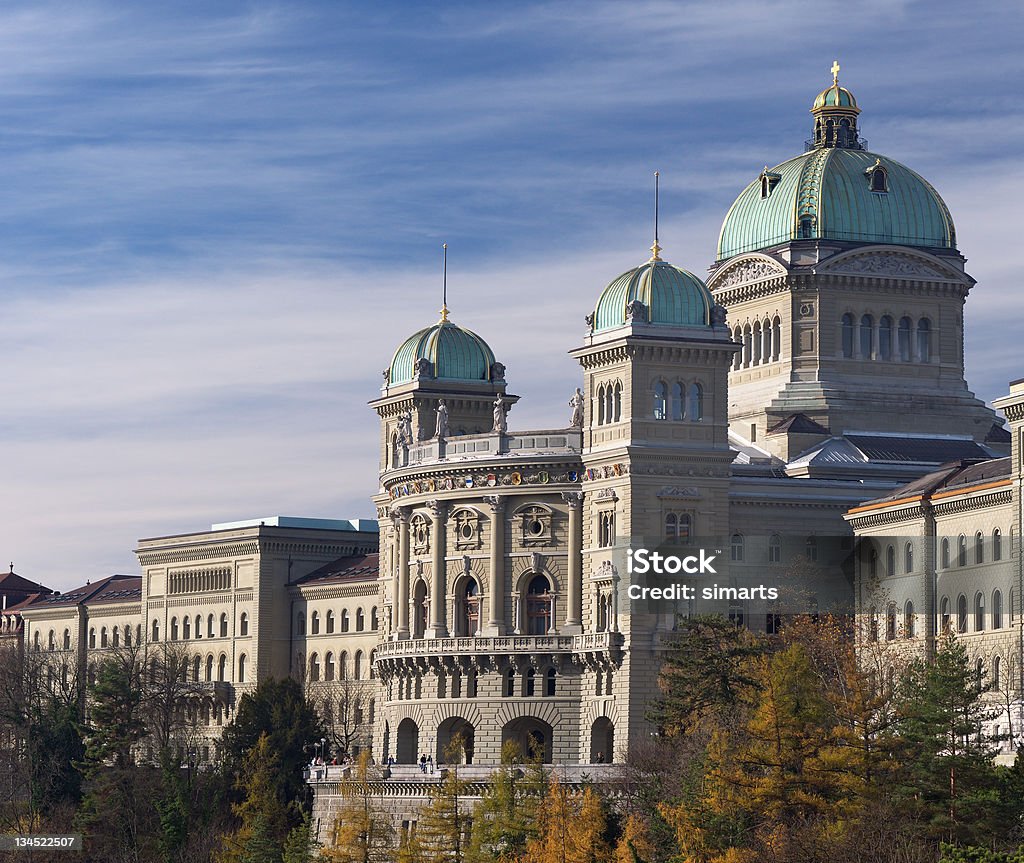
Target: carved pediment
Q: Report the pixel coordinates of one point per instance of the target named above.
(893, 264)
(746, 271)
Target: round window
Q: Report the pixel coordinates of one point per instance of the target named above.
(536, 527)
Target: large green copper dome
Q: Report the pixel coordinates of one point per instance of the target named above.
(837, 193)
(837, 190)
(670, 296)
(453, 353)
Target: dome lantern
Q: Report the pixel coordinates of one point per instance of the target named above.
(835, 116)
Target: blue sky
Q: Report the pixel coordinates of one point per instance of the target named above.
(218, 220)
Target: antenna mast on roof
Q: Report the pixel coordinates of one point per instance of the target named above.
(444, 285)
(656, 249)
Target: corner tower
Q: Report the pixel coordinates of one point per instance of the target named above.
(844, 286)
(656, 454)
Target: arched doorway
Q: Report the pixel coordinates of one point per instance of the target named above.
(532, 735)
(455, 741)
(602, 741)
(408, 743)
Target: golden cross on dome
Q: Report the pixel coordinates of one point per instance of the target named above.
(835, 71)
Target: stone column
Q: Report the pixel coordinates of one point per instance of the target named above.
(402, 599)
(496, 597)
(438, 566)
(574, 588)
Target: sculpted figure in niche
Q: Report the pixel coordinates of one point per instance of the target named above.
(576, 403)
(442, 420)
(405, 428)
(500, 424)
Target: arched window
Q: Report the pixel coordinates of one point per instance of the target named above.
(241, 668)
(156, 630)
(873, 564)
(961, 551)
(116, 634)
(330, 621)
(300, 623)
(997, 609)
(618, 402)
(961, 614)
(979, 669)
(678, 401)
(908, 557)
(903, 338)
(997, 544)
(890, 622)
(608, 404)
(329, 666)
(811, 548)
(774, 548)
(509, 683)
(314, 623)
(909, 621)
(890, 561)
(314, 667)
(103, 637)
(737, 358)
(197, 669)
(660, 398)
(924, 340)
(600, 405)
(92, 638)
(979, 548)
(736, 547)
(766, 341)
(671, 526)
(360, 620)
(470, 608)
(879, 180)
(885, 337)
(979, 612)
(209, 668)
(243, 624)
(997, 673)
(755, 344)
(357, 666)
(873, 624)
(696, 409)
(538, 606)
(529, 683)
(222, 668)
(867, 325)
(174, 629)
(186, 627)
(746, 346)
(549, 683)
(345, 626)
(944, 614)
(374, 622)
(343, 665)
(776, 338)
(210, 631)
(223, 625)
(847, 335)
(67, 639)
(944, 556)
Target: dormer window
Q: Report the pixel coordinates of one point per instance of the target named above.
(878, 177)
(768, 182)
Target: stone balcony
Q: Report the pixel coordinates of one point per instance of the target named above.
(495, 645)
(556, 442)
(570, 774)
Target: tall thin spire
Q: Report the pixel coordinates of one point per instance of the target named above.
(656, 249)
(444, 285)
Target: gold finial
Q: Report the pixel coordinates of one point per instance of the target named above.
(444, 287)
(835, 72)
(656, 249)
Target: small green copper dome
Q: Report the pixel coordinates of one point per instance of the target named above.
(834, 97)
(837, 193)
(669, 296)
(453, 353)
